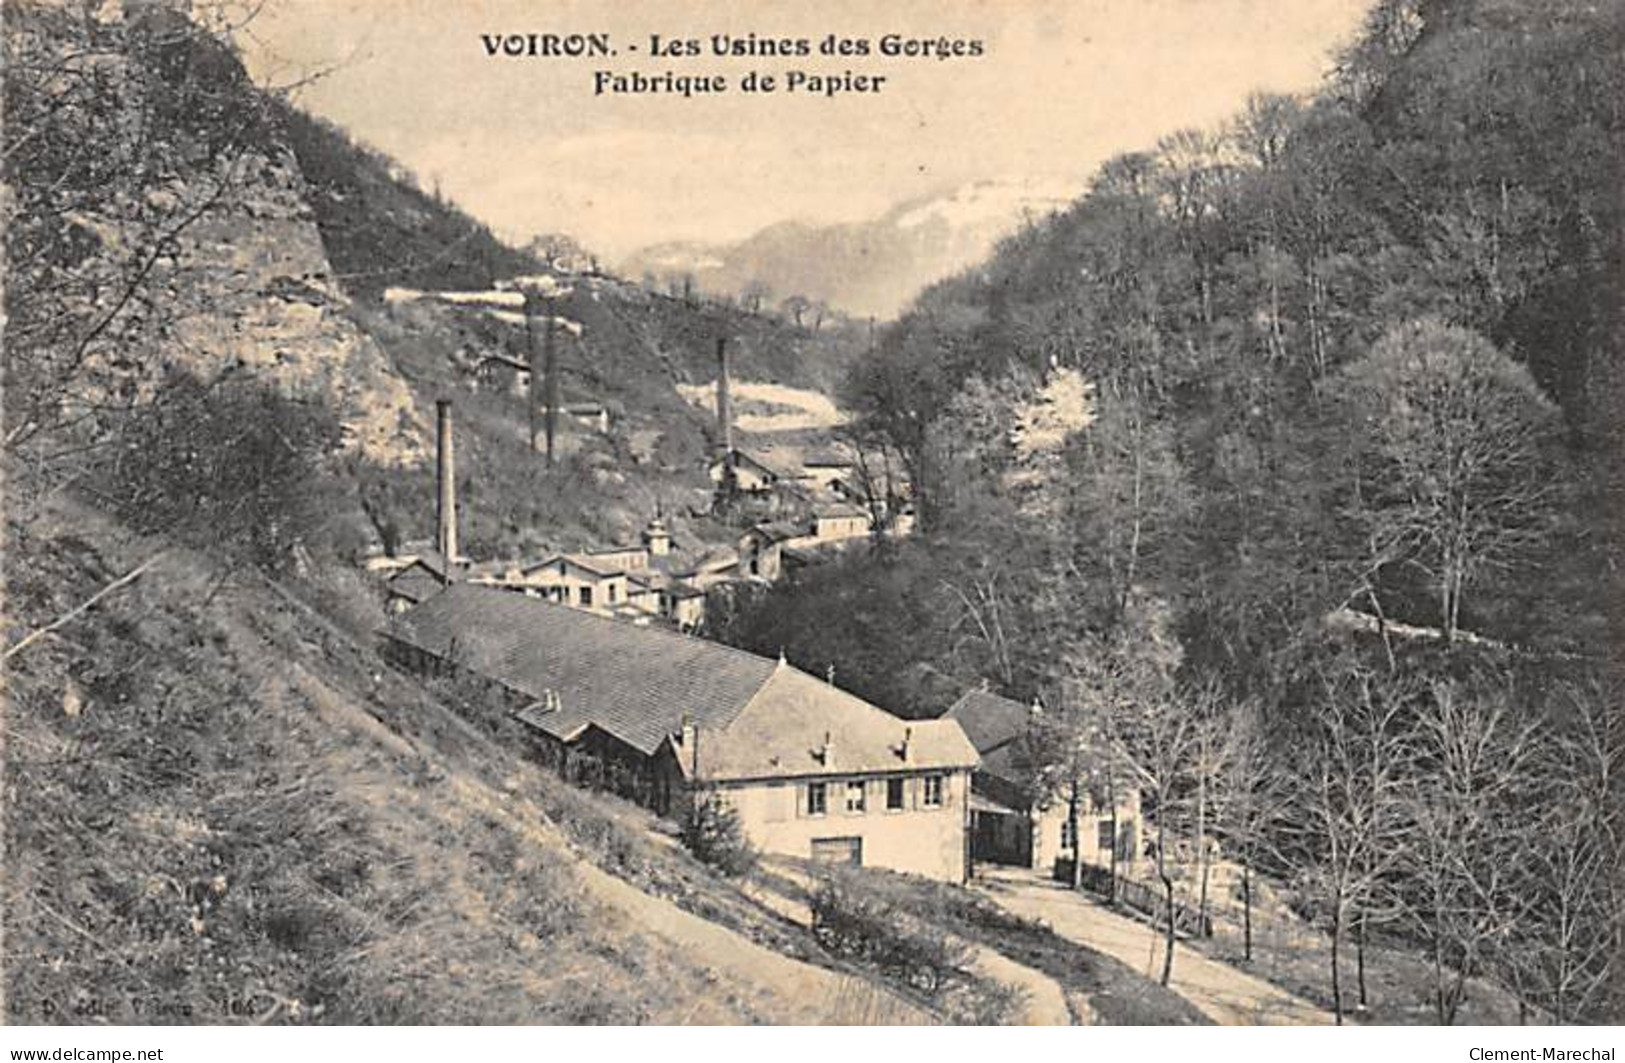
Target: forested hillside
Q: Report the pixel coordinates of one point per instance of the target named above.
(1350, 484)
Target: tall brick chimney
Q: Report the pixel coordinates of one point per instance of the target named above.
(725, 405)
(446, 511)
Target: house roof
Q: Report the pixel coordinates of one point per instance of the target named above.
(983, 803)
(432, 560)
(678, 589)
(825, 459)
(416, 583)
(636, 683)
(490, 569)
(745, 457)
(581, 561)
(776, 531)
(781, 733)
(991, 721)
(840, 509)
(716, 560)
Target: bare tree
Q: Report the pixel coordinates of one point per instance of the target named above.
(1349, 792)
(1465, 805)
(1452, 478)
(1148, 727)
(1253, 805)
(1570, 873)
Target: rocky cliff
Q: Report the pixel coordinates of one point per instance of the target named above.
(160, 222)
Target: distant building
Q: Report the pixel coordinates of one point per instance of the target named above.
(838, 521)
(591, 415)
(760, 549)
(752, 475)
(575, 580)
(826, 470)
(813, 771)
(620, 558)
(636, 582)
(683, 604)
(427, 574)
(1010, 825)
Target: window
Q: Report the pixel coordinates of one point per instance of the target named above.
(894, 795)
(817, 799)
(1107, 833)
(584, 596)
(856, 796)
(612, 596)
(931, 791)
(1066, 833)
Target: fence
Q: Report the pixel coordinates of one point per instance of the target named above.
(1141, 897)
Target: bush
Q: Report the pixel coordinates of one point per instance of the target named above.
(712, 832)
(232, 467)
(856, 924)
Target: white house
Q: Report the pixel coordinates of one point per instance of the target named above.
(1013, 824)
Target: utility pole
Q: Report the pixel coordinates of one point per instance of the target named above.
(531, 300)
(552, 386)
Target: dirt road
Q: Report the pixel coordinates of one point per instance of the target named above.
(1221, 992)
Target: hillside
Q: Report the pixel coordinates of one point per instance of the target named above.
(872, 268)
(264, 823)
(627, 348)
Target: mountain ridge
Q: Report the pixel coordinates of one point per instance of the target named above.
(868, 268)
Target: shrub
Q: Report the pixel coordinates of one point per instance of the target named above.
(712, 832)
(230, 466)
(854, 923)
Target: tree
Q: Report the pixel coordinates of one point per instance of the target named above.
(1148, 729)
(713, 833)
(1468, 807)
(1066, 752)
(1570, 876)
(1254, 804)
(1348, 793)
(1451, 477)
(1127, 498)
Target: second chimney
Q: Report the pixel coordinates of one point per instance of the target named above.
(446, 510)
(725, 406)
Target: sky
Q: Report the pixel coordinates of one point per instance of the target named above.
(526, 146)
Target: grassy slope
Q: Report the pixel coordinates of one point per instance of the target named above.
(208, 821)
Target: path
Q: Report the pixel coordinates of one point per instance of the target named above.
(1221, 992)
